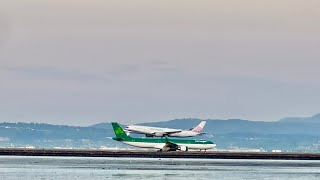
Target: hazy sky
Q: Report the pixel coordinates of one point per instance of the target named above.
(84, 62)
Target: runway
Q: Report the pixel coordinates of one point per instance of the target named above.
(154, 154)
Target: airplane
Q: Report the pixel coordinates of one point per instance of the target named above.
(163, 144)
(161, 132)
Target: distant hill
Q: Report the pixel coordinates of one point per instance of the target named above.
(102, 126)
(218, 126)
(289, 134)
(47, 135)
(313, 119)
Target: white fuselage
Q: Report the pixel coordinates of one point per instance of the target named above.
(156, 131)
(185, 134)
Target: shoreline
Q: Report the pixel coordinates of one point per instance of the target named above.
(154, 154)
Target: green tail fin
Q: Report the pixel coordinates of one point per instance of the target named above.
(118, 131)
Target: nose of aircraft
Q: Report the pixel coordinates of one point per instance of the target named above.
(213, 145)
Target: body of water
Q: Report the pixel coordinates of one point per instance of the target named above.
(19, 167)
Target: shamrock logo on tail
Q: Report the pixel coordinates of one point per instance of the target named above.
(119, 131)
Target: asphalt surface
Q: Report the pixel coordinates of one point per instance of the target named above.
(155, 154)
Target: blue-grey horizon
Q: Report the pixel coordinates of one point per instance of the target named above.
(85, 62)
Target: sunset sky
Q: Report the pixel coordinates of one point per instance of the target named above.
(84, 62)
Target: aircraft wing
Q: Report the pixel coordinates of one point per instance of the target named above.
(153, 133)
(170, 132)
(168, 146)
(161, 133)
(171, 146)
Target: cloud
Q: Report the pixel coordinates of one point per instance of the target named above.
(143, 71)
(52, 73)
(155, 60)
